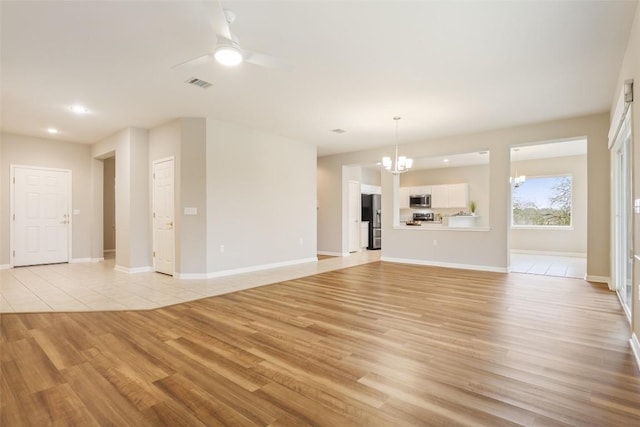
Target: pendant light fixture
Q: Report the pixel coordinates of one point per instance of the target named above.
(517, 180)
(401, 163)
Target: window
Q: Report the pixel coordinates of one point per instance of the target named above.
(542, 202)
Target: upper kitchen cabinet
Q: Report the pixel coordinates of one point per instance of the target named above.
(450, 196)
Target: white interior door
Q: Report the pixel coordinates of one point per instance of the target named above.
(41, 216)
(163, 216)
(354, 216)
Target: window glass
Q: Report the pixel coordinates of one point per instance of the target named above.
(542, 201)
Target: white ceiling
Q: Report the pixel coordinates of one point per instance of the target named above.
(446, 67)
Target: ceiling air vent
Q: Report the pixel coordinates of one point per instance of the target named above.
(197, 82)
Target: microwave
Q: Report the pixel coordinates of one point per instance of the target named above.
(420, 201)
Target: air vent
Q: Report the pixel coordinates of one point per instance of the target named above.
(338, 130)
(200, 83)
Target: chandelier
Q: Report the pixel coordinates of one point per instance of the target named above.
(401, 163)
(517, 180)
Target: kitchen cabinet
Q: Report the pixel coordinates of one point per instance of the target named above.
(405, 192)
(364, 234)
(404, 197)
(450, 196)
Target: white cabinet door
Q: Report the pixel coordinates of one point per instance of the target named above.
(458, 195)
(439, 196)
(404, 197)
(364, 234)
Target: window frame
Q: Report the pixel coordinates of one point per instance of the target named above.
(545, 227)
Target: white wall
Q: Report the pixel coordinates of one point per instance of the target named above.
(572, 240)
(261, 198)
(481, 249)
(47, 153)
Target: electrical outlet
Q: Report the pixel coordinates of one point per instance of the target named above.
(300, 241)
(221, 248)
(435, 242)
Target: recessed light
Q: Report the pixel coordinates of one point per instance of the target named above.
(52, 131)
(446, 160)
(79, 109)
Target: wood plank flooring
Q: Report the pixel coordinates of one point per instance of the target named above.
(375, 345)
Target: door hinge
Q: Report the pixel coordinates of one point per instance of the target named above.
(14, 179)
(154, 214)
(14, 217)
(154, 254)
(154, 175)
(14, 254)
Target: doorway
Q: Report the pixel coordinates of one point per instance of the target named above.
(549, 214)
(163, 216)
(109, 208)
(41, 212)
(622, 254)
(354, 216)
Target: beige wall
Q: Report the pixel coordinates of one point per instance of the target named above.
(133, 242)
(573, 240)
(184, 139)
(46, 153)
(461, 248)
(631, 70)
(371, 176)
(109, 204)
(261, 198)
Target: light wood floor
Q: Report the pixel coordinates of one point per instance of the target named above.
(379, 344)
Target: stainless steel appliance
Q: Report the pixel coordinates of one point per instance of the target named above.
(420, 200)
(371, 211)
(423, 216)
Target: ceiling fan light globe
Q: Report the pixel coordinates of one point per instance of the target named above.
(228, 55)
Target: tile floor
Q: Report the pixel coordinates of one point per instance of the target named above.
(548, 265)
(98, 287)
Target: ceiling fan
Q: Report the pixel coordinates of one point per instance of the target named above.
(228, 51)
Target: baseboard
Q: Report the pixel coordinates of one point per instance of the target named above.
(597, 279)
(549, 253)
(190, 276)
(333, 253)
(135, 270)
(79, 260)
(5, 266)
(253, 268)
(109, 251)
(635, 347)
(445, 264)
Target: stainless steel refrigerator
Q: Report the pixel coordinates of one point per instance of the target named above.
(371, 213)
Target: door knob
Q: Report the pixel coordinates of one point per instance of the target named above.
(64, 222)
(170, 224)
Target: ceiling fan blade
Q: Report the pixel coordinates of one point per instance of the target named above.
(267, 61)
(202, 59)
(219, 22)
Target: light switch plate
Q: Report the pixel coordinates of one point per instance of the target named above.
(191, 211)
(636, 206)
